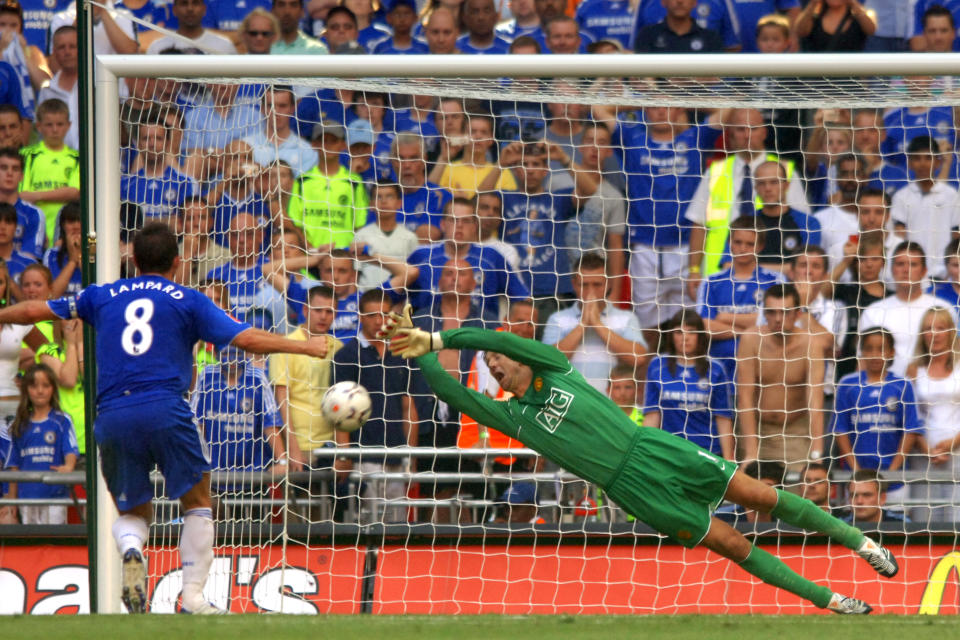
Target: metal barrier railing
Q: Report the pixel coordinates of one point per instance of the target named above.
(300, 479)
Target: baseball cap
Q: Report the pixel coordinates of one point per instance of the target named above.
(520, 493)
(360, 131)
(328, 127)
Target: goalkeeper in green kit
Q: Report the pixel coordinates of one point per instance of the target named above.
(667, 482)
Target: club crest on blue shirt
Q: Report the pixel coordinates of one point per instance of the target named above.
(790, 242)
(703, 10)
(49, 437)
(246, 405)
(703, 385)
(891, 404)
(696, 44)
(170, 195)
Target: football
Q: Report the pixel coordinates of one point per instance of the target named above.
(346, 406)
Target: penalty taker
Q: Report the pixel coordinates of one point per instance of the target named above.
(667, 482)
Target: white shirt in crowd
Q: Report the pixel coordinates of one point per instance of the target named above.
(208, 42)
(938, 401)
(399, 244)
(592, 357)
(11, 337)
(837, 224)
(930, 220)
(902, 319)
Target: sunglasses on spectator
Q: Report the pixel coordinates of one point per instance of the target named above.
(261, 34)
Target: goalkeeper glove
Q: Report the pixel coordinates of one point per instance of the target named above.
(394, 322)
(413, 343)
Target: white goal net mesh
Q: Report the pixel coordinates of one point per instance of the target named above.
(767, 267)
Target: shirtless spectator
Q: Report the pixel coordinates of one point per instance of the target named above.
(780, 374)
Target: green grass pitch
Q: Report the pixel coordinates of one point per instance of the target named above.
(277, 627)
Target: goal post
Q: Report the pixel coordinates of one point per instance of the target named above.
(695, 82)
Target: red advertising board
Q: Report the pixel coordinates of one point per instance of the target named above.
(544, 579)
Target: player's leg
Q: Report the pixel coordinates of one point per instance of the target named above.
(130, 531)
(731, 544)
(196, 545)
(126, 467)
(182, 456)
(800, 512)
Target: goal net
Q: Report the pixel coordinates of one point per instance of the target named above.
(753, 259)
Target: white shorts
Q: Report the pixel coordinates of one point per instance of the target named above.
(656, 282)
(43, 514)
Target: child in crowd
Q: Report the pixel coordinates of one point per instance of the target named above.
(15, 260)
(43, 440)
(63, 259)
(876, 412)
(385, 236)
(401, 16)
(51, 169)
(687, 393)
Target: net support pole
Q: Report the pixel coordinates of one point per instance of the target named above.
(107, 219)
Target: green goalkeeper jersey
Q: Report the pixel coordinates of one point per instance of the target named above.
(560, 416)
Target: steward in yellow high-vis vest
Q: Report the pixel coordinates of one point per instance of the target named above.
(722, 208)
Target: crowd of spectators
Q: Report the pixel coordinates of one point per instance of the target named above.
(780, 286)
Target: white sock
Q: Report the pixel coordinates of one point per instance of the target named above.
(196, 554)
(130, 532)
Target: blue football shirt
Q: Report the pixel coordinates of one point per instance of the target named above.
(689, 403)
(498, 46)
(158, 197)
(54, 259)
(607, 20)
(146, 329)
(903, 126)
(31, 235)
(494, 277)
(242, 284)
(661, 180)
(423, 206)
(722, 293)
(536, 225)
(235, 417)
(42, 445)
(876, 417)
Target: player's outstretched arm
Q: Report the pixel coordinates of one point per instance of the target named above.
(28, 312)
(472, 403)
(523, 350)
(259, 341)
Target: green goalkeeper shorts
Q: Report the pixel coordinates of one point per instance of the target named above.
(672, 485)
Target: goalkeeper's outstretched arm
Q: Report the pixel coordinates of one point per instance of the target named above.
(476, 405)
(525, 351)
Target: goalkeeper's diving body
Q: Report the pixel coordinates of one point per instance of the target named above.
(667, 482)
